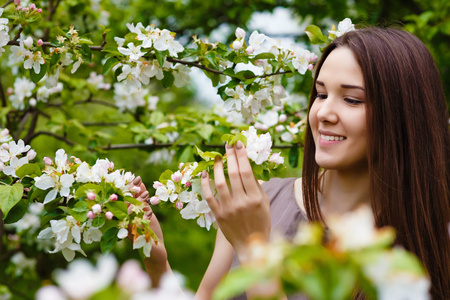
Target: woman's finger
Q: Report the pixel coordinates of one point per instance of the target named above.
(233, 171)
(208, 194)
(221, 183)
(247, 177)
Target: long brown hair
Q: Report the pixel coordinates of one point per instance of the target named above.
(408, 142)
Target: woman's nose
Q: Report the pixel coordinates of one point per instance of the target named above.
(327, 111)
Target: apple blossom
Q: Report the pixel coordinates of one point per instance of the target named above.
(154, 200)
(109, 215)
(132, 278)
(48, 161)
(31, 154)
(90, 214)
(113, 197)
(343, 27)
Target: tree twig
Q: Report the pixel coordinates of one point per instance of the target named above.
(22, 125)
(7, 3)
(27, 139)
(2, 231)
(2, 92)
(16, 292)
(56, 136)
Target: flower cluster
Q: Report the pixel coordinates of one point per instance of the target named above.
(94, 196)
(14, 155)
(344, 26)
(363, 253)
(4, 32)
(140, 62)
(82, 280)
(263, 50)
(182, 188)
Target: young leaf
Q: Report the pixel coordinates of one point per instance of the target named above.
(315, 35)
(109, 240)
(9, 196)
(28, 169)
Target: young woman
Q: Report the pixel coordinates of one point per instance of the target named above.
(377, 134)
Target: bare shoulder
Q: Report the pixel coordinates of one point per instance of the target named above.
(298, 191)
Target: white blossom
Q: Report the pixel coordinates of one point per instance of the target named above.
(343, 27)
(258, 148)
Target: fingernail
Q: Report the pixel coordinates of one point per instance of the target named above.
(239, 145)
(137, 180)
(217, 158)
(144, 195)
(204, 174)
(228, 145)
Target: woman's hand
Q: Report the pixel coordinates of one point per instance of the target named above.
(244, 210)
(156, 264)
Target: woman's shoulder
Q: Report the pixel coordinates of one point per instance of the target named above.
(285, 190)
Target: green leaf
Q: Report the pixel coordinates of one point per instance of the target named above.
(237, 282)
(86, 53)
(168, 79)
(109, 64)
(211, 58)
(165, 176)
(265, 55)
(131, 200)
(293, 156)
(55, 58)
(109, 240)
(84, 189)
(36, 77)
(156, 118)
(79, 210)
(99, 221)
(205, 131)
(202, 166)
(9, 196)
(17, 211)
(160, 57)
(118, 208)
(315, 35)
(29, 169)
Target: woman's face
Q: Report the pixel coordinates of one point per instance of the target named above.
(338, 114)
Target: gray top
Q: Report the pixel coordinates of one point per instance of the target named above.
(285, 215)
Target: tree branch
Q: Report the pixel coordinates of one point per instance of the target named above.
(22, 125)
(56, 136)
(7, 3)
(2, 92)
(167, 145)
(2, 230)
(32, 128)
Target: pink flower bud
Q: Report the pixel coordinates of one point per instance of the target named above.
(26, 189)
(250, 50)
(10, 91)
(177, 176)
(282, 118)
(154, 200)
(180, 165)
(48, 161)
(4, 132)
(90, 215)
(237, 45)
(39, 10)
(109, 215)
(261, 126)
(311, 67)
(91, 195)
(97, 208)
(279, 128)
(135, 189)
(113, 197)
(32, 102)
(31, 154)
(25, 9)
(157, 184)
(32, 6)
(178, 205)
(19, 8)
(111, 165)
(40, 42)
(188, 184)
(16, 2)
(240, 33)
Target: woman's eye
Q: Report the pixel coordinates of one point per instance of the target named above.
(353, 101)
(321, 96)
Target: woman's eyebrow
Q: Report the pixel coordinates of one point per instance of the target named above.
(349, 86)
